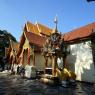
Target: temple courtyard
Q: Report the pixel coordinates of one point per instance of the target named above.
(15, 85)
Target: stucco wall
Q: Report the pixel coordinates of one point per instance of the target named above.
(39, 61)
(49, 63)
(80, 61)
(25, 58)
(25, 46)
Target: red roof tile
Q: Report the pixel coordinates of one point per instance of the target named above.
(82, 32)
(35, 39)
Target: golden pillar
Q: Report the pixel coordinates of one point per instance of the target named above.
(54, 64)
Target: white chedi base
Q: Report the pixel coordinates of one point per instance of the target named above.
(30, 71)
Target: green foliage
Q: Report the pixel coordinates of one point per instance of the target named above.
(4, 41)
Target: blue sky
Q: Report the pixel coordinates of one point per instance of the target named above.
(71, 14)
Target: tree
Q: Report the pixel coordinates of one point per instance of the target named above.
(5, 41)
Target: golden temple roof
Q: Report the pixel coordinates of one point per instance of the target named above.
(32, 28)
(44, 29)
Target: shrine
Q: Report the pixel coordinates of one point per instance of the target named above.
(55, 52)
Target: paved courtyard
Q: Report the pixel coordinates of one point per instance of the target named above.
(15, 85)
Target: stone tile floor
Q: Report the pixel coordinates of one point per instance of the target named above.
(15, 85)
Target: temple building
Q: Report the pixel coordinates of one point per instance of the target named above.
(11, 54)
(81, 59)
(79, 42)
(31, 42)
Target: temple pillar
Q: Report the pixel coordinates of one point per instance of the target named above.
(46, 62)
(54, 63)
(33, 60)
(28, 56)
(22, 58)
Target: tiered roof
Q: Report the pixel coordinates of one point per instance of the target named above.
(34, 32)
(32, 28)
(44, 29)
(35, 39)
(38, 29)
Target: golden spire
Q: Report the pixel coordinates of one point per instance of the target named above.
(56, 22)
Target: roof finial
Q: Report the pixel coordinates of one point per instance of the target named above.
(36, 22)
(56, 22)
